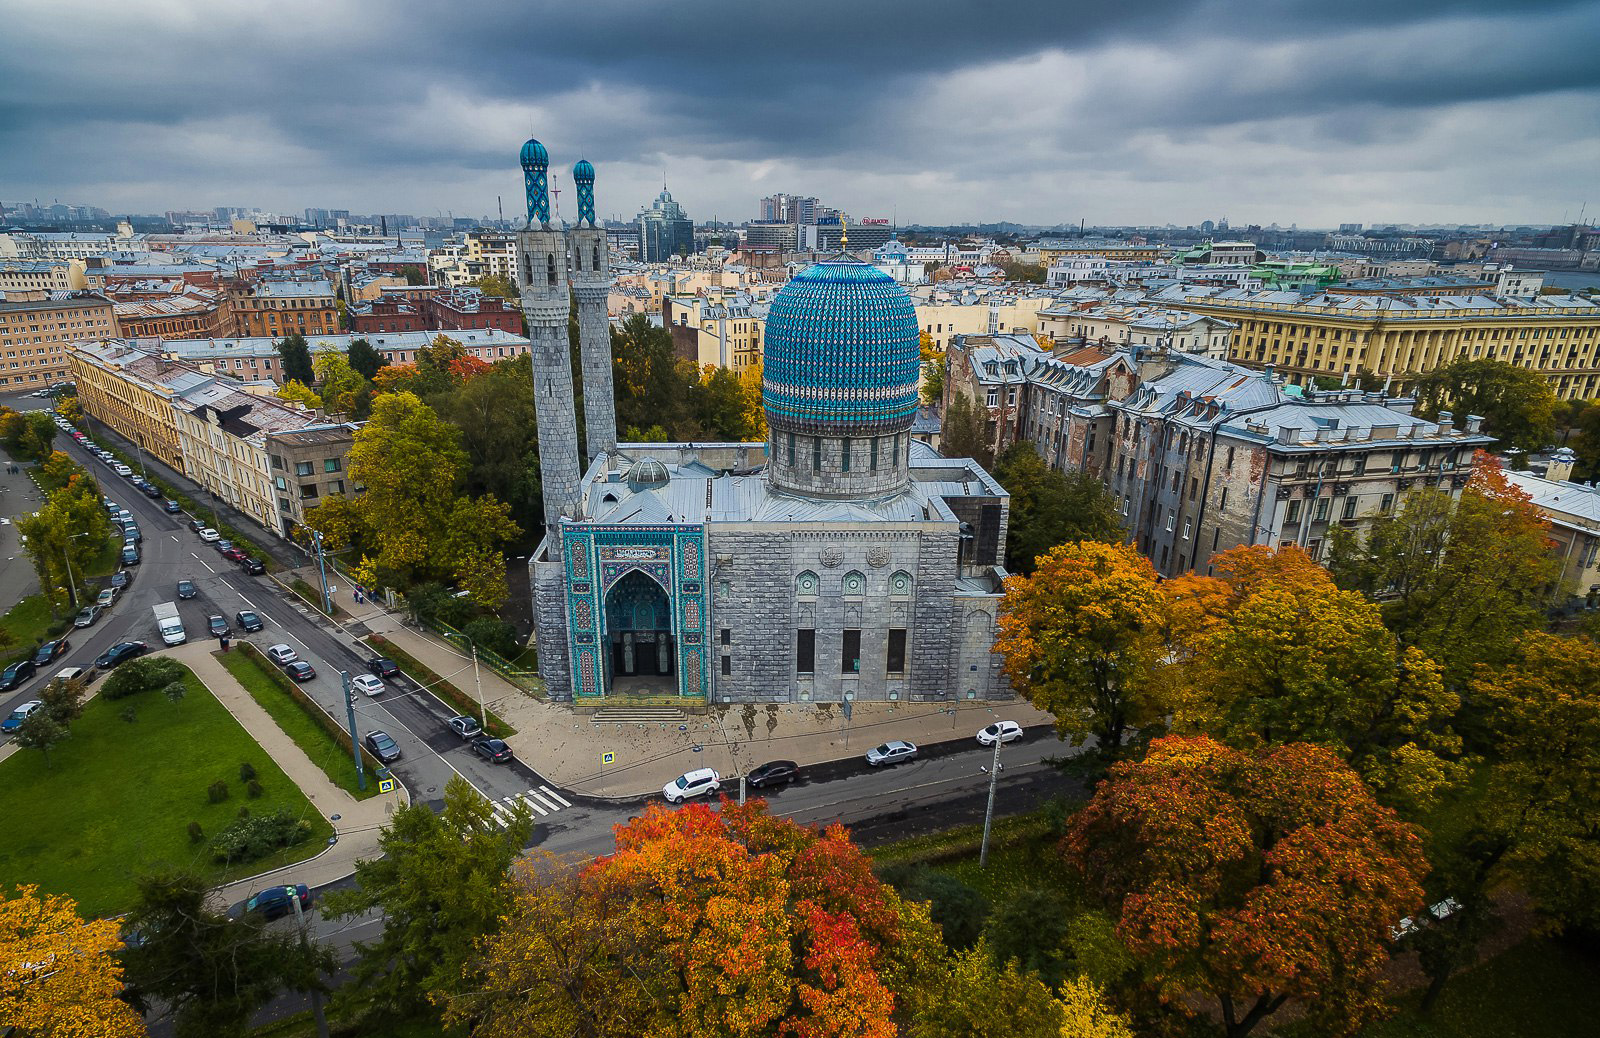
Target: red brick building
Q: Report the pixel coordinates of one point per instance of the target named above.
(449, 309)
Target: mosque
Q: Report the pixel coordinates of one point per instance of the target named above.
(837, 561)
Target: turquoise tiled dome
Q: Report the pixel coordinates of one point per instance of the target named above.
(842, 349)
(534, 156)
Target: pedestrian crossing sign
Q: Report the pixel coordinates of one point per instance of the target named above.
(386, 785)
(608, 758)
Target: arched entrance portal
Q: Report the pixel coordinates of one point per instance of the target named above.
(640, 637)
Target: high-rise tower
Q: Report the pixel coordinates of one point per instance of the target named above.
(542, 271)
(591, 283)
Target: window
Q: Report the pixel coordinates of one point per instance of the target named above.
(1186, 529)
(816, 453)
(277, 462)
(1224, 501)
(1349, 508)
(727, 636)
(844, 454)
(330, 465)
(1321, 513)
(1171, 518)
(805, 585)
(897, 651)
(850, 658)
(302, 468)
(336, 486)
(854, 584)
(1387, 504)
(1230, 458)
(1293, 515)
(308, 491)
(727, 665)
(993, 399)
(1361, 466)
(791, 450)
(873, 464)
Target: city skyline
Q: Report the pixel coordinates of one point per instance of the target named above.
(1426, 113)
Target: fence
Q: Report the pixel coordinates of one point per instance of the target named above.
(523, 678)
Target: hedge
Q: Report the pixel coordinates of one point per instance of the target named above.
(438, 685)
(313, 708)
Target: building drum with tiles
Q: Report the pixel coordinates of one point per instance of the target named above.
(836, 561)
(1203, 454)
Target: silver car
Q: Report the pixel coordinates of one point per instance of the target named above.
(892, 752)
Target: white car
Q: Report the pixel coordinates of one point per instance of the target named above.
(698, 782)
(210, 536)
(1005, 731)
(367, 684)
(122, 470)
(892, 752)
(282, 655)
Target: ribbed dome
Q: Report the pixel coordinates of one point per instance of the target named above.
(842, 349)
(647, 472)
(583, 170)
(534, 156)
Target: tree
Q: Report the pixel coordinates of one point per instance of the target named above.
(704, 923)
(652, 385)
(720, 406)
(211, 972)
(71, 525)
(59, 977)
(495, 285)
(976, 998)
(1516, 403)
(299, 393)
(956, 908)
(1081, 638)
(1250, 879)
(69, 408)
(755, 411)
(294, 359)
(443, 884)
(40, 732)
(1049, 508)
(963, 432)
(1296, 659)
(497, 420)
(343, 389)
(932, 370)
(63, 699)
(365, 360)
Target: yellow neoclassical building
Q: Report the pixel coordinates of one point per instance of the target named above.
(1402, 336)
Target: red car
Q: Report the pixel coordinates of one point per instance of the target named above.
(234, 555)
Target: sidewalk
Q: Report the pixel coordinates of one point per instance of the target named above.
(358, 821)
(567, 748)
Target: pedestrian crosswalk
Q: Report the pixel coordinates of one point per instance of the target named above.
(541, 802)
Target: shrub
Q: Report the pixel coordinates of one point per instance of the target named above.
(258, 836)
(252, 789)
(196, 834)
(244, 812)
(217, 792)
(129, 714)
(142, 675)
(247, 771)
(497, 636)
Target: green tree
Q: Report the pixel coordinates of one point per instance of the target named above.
(211, 972)
(1050, 508)
(63, 699)
(71, 525)
(296, 392)
(40, 732)
(653, 386)
(720, 407)
(443, 884)
(963, 431)
(932, 370)
(294, 359)
(364, 359)
(342, 387)
(958, 909)
(495, 285)
(976, 998)
(497, 420)
(1516, 403)
(1031, 930)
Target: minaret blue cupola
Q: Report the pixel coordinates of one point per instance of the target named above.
(535, 170)
(840, 372)
(583, 177)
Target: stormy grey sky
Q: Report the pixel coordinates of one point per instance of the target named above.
(1039, 111)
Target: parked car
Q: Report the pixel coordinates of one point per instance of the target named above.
(151, 490)
(122, 515)
(300, 670)
(51, 651)
(234, 555)
(122, 470)
(382, 746)
(223, 546)
(172, 507)
(87, 616)
(131, 532)
(773, 773)
(385, 669)
(121, 579)
(218, 626)
(495, 751)
(276, 902)
(107, 598)
(1004, 731)
(253, 567)
(74, 674)
(367, 685)
(465, 727)
(209, 535)
(15, 675)
(197, 525)
(248, 621)
(21, 714)
(698, 782)
(892, 752)
(130, 555)
(121, 652)
(112, 506)
(282, 655)
(186, 589)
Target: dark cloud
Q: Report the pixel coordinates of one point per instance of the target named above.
(940, 110)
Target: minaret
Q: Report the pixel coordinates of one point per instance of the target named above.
(591, 283)
(542, 271)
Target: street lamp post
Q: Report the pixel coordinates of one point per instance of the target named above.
(476, 680)
(66, 555)
(355, 743)
(988, 812)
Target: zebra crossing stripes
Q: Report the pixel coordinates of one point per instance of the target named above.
(542, 802)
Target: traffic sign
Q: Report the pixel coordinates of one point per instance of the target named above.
(608, 758)
(386, 785)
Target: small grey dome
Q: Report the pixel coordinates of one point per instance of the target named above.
(647, 473)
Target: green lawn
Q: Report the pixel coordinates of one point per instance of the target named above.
(327, 753)
(121, 795)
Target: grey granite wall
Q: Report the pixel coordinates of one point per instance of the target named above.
(549, 583)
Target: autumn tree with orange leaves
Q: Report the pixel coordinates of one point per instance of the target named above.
(1250, 879)
(59, 977)
(1082, 638)
(705, 923)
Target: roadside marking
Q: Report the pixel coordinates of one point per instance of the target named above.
(175, 537)
(538, 802)
(204, 563)
(553, 795)
(245, 600)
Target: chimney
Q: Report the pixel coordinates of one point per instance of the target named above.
(1474, 424)
(1446, 424)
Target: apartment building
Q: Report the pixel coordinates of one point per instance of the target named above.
(725, 332)
(256, 359)
(1203, 454)
(1113, 322)
(1398, 337)
(38, 327)
(279, 308)
(1573, 511)
(173, 317)
(944, 312)
(48, 275)
(309, 466)
(131, 390)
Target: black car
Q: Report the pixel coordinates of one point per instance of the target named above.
(495, 751)
(248, 621)
(121, 653)
(151, 490)
(196, 525)
(172, 507)
(252, 566)
(49, 652)
(121, 579)
(385, 669)
(186, 589)
(300, 670)
(218, 626)
(773, 773)
(275, 902)
(382, 746)
(16, 674)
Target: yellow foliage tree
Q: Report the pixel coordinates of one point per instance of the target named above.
(58, 975)
(299, 393)
(755, 412)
